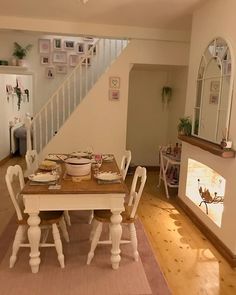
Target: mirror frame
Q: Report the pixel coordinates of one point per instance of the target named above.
(230, 91)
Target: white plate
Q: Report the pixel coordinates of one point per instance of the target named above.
(107, 176)
(55, 157)
(43, 177)
(107, 158)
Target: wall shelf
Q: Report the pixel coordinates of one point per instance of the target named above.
(13, 68)
(208, 146)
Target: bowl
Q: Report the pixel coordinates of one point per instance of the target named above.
(77, 167)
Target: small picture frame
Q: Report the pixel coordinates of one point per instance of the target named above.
(114, 94)
(215, 86)
(86, 61)
(80, 48)
(59, 57)
(69, 45)
(50, 72)
(44, 46)
(61, 69)
(45, 60)
(88, 39)
(57, 44)
(114, 82)
(214, 98)
(73, 60)
(94, 51)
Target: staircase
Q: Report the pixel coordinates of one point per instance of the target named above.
(48, 121)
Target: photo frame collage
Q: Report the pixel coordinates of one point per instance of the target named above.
(58, 54)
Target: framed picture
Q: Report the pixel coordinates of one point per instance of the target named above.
(69, 45)
(94, 49)
(73, 60)
(87, 38)
(80, 48)
(215, 86)
(86, 61)
(59, 57)
(61, 69)
(44, 46)
(57, 44)
(50, 72)
(214, 98)
(45, 60)
(114, 82)
(114, 94)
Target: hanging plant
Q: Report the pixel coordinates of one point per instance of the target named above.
(166, 94)
(17, 91)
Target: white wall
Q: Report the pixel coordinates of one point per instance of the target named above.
(75, 29)
(43, 87)
(177, 103)
(150, 123)
(102, 123)
(215, 18)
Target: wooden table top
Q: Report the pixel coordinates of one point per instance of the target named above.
(85, 186)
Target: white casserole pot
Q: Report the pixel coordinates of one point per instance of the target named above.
(78, 167)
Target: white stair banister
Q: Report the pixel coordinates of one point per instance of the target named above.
(73, 89)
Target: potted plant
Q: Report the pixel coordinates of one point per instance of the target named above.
(20, 52)
(185, 126)
(166, 94)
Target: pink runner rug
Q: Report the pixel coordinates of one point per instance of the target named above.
(137, 278)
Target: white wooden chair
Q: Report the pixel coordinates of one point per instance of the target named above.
(32, 164)
(125, 162)
(128, 216)
(49, 219)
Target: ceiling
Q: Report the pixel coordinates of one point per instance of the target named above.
(163, 14)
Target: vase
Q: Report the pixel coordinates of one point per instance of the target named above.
(21, 62)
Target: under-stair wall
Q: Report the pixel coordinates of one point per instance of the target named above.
(101, 123)
(48, 121)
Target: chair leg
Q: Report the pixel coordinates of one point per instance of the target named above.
(63, 228)
(134, 241)
(19, 237)
(58, 244)
(94, 242)
(67, 217)
(91, 217)
(94, 225)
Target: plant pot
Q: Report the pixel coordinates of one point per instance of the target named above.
(21, 62)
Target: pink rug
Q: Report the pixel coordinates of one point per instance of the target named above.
(137, 278)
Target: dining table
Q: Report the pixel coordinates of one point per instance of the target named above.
(74, 193)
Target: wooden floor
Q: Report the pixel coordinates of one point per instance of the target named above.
(190, 263)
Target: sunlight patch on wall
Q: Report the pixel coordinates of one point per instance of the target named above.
(206, 188)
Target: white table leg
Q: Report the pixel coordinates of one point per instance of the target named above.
(116, 232)
(34, 233)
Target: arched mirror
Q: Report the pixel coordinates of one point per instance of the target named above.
(214, 92)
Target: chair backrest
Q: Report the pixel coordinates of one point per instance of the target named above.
(137, 186)
(125, 162)
(15, 175)
(31, 159)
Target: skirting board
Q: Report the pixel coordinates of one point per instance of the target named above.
(3, 161)
(217, 243)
